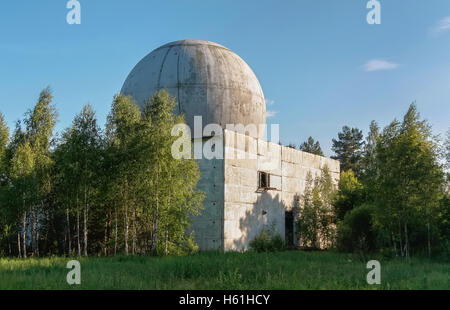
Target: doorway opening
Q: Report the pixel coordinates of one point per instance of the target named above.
(289, 228)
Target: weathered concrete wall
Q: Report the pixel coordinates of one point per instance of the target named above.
(247, 211)
(208, 226)
(235, 211)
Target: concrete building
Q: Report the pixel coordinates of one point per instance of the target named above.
(207, 79)
(256, 184)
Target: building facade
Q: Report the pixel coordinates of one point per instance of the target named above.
(256, 184)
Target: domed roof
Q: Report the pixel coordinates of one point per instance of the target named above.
(206, 78)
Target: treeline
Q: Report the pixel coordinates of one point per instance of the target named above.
(393, 195)
(94, 191)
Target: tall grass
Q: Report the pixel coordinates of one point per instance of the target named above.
(213, 270)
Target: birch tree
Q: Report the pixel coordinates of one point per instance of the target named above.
(82, 143)
(39, 125)
(122, 145)
(408, 186)
(170, 186)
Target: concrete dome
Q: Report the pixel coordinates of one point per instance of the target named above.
(206, 78)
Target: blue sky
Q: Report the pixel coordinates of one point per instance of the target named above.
(318, 61)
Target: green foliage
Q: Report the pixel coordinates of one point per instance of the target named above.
(369, 153)
(152, 186)
(4, 225)
(447, 149)
(124, 191)
(4, 138)
(349, 149)
(442, 236)
(316, 219)
(214, 270)
(123, 155)
(97, 192)
(170, 181)
(26, 180)
(311, 146)
(267, 241)
(408, 185)
(357, 232)
(399, 206)
(78, 160)
(40, 122)
(292, 146)
(349, 195)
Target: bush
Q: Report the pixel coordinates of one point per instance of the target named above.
(350, 194)
(356, 233)
(267, 241)
(187, 246)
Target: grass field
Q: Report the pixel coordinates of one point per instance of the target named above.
(212, 270)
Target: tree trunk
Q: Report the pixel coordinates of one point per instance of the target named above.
(37, 235)
(24, 238)
(85, 232)
(428, 233)
(115, 237)
(68, 231)
(78, 233)
(107, 232)
(156, 225)
(406, 240)
(126, 230)
(394, 242)
(18, 243)
(155, 231)
(428, 237)
(33, 229)
(105, 239)
(37, 229)
(65, 243)
(47, 218)
(134, 232)
(166, 241)
(85, 240)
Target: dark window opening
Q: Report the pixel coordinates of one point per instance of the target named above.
(263, 180)
(289, 227)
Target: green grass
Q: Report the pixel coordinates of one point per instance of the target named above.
(213, 270)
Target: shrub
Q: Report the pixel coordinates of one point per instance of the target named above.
(187, 246)
(349, 195)
(315, 222)
(267, 241)
(357, 232)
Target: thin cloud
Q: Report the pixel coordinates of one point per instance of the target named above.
(269, 101)
(378, 65)
(270, 113)
(442, 25)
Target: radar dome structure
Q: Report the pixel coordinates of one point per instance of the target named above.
(207, 79)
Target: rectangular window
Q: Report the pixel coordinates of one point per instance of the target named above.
(263, 180)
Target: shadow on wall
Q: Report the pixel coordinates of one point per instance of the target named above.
(268, 213)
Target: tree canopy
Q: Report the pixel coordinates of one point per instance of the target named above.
(349, 148)
(311, 146)
(93, 191)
